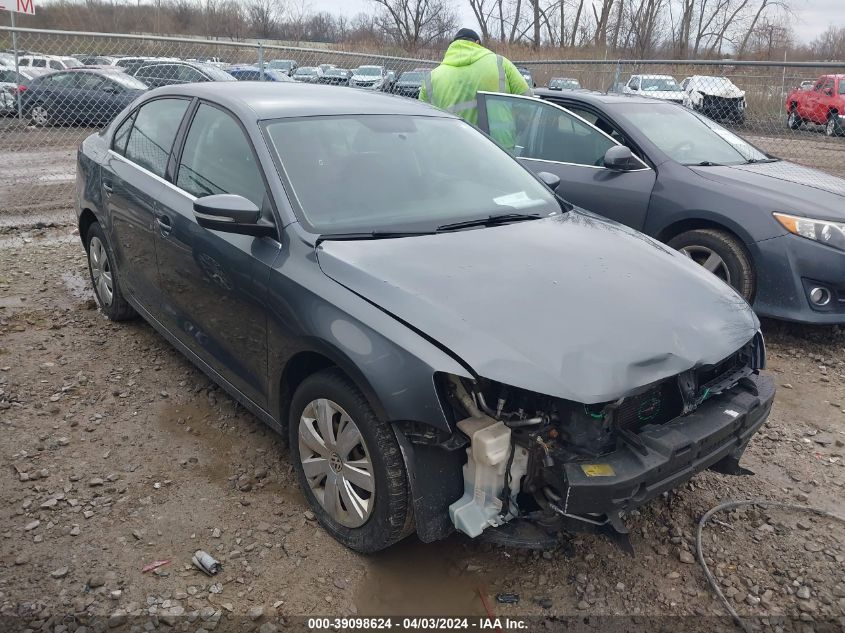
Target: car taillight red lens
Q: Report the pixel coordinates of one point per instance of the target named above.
(21, 88)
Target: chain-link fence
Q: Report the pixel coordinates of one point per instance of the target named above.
(789, 110)
(795, 111)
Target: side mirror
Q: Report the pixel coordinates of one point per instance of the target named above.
(550, 180)
(231, 214)
(620, 158)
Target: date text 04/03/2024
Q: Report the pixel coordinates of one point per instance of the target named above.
(423, 623)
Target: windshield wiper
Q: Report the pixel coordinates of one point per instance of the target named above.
(490, 220)
(372, 235)
(704, 163)
(757, 161)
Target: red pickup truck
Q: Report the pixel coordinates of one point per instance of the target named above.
(823, 104)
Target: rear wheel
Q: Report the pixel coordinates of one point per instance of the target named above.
(40, 115)
(722, 254)
(104, 276)
(348, 464)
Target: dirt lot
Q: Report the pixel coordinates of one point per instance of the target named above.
(117, 452)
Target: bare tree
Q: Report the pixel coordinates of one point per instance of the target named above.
(414, 24)
(263, 16)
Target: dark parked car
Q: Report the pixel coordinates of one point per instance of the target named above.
(253, 73)
(88, 96)
(157, 74)
(772, 229)
(416, 348)
(336, 77)
(409, 84)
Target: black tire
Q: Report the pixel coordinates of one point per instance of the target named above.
(793, 121)
(737, 261)
(391, 517)
(832, 127)
(116, 308)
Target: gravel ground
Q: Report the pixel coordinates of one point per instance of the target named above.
(117, 453)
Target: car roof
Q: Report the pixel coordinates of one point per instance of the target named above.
(589, 96)
(654, 76)
(270, 100)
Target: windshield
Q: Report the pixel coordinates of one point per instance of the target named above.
(336, 72)
(399, 173)
(71, 62)
(305, 71)
(411, 76)
(281, 63)
(564, 83)
(661, 84)
(370, 71)
(127, 81)
(687, 137)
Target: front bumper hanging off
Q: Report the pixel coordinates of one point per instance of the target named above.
(714, 435)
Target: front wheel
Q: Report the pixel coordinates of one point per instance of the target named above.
(349, 464)
(793, 121)
(722, 254)
(833, 127)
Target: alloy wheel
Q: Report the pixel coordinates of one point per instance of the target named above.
(39, 115)
(794, 123)
(830, 128)
(336, 463)
(101, 274)
(709, 259)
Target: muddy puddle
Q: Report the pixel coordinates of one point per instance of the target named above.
(415, 578)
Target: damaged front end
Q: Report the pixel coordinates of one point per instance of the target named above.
(538, 464)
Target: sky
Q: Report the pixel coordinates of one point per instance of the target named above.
(812, 17)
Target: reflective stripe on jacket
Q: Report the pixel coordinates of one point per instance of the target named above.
(469, 68)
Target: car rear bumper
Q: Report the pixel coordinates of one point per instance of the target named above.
(788, 267)
(671, 454)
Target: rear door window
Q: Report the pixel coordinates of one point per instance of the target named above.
(151, 138)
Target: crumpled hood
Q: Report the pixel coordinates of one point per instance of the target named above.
(464, 53)
(727, 92)
(790, 188)
(572, 306)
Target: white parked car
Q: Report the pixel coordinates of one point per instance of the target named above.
(715, 97)
(656, 86)
(369, 78)
(53, 62)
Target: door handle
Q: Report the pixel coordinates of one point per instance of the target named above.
(164, 224)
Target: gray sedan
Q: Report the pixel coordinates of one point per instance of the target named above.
(457, 348)
(773, 230)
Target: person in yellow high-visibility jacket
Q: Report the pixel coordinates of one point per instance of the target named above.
(467, 69)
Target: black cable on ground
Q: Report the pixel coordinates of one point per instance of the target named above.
(730, 505)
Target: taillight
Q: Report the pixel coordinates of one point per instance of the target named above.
(21, 88)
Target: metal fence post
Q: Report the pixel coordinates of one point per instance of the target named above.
(261, 61)
(17, 66)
